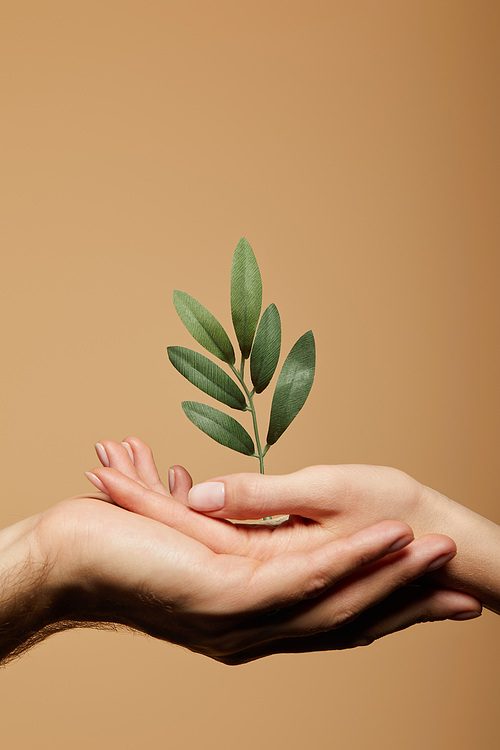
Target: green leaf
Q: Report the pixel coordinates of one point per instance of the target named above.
(203, 327)
(266, 349)
(293, 386)
(246, 295)
(219, 426)
(207, 376)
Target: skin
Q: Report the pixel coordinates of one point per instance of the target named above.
(85, 562)
(323, 502)
(130, 478)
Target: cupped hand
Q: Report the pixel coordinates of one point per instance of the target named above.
(322, 502)
(130, 478)
(107, 565)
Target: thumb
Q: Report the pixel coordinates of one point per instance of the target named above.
(252, 496)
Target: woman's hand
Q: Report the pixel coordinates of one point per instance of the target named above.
(340, 499)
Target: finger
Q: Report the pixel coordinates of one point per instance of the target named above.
(137, 462)
(218, 535)
(132, 495)
(290, 578)
(307, 493)
(375, 583)
(145, 464)
(404, 608)
(179, 482)
(117, 456)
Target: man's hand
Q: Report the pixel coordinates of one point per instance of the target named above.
(87, 562)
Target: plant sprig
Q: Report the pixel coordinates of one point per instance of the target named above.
(259, 340)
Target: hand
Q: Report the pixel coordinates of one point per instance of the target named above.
(128, 484)
(85, 561)
(339, 499)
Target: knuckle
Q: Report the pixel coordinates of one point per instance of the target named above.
(353, 554)
(429, 611)
(230, 660)
(248, 487)
(222, 646)
(427, 617)
(363, 557)
(322, 575)
(318, 583)
(363, 640)
(344, 616)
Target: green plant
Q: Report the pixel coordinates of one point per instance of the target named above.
(259, 341)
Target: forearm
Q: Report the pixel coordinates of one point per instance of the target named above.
(476, 567)
(26, 605)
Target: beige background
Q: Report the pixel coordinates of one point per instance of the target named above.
(355, 144)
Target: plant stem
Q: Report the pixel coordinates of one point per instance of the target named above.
(240, 375)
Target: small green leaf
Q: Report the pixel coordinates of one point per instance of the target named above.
(219, 426)
(293, 386)
(207, 376)
(246, 295)
(203, 327)
(266, 349)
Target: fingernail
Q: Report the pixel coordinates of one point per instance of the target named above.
(171, 480)
(400, 543)
(129, 450)
(441, 560)
(95, 481)
(466, 615)
(101, 452)
(207, 496)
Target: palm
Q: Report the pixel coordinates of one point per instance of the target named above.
(118, 567)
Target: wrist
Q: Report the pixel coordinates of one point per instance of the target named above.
(84, 585)
(26, 596)
(69, 587)
(476, 567)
